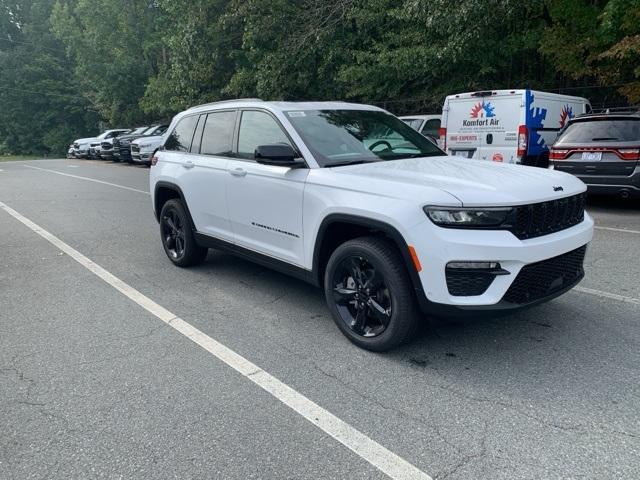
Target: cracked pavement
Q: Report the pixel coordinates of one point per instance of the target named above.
(92, 386)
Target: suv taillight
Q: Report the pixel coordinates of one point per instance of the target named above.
(629, 153)
(558, 154)
(523, 139)
(442, 141)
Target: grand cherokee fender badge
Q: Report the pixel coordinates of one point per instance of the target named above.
(558, 189)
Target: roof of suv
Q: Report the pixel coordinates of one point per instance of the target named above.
(605, 116)
(282, 106)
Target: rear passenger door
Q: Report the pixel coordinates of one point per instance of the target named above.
(265, 201)
(201, 143)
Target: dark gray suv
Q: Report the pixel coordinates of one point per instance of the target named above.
(603, 151)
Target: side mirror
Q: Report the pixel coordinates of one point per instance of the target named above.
(279, 154)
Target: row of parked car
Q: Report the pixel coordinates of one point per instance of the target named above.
(544, 130)
(519, 126)
(134, 145)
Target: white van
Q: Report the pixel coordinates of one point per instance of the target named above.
(511, 126)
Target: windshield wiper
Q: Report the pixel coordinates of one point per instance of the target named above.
(350, 162)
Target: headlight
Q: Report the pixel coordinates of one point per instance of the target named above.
(468, 217)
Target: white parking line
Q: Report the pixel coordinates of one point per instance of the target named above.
(612, 296)
(88, 179)
(388, 462)
(611, 229)
(35, 160)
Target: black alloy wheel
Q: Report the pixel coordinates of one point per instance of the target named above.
(369, 293)
(173, 233)
(177, 236)
(361, 296)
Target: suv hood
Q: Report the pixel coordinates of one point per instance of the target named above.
(86, 140)
(472, 182)
(150, 138)
(130, 137)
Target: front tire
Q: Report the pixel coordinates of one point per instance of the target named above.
(369, 294)
(177, 236)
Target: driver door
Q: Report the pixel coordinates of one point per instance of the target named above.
(265, 201)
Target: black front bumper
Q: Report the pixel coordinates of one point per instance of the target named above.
(536, 283)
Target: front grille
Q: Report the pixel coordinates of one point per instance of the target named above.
(466, 283)
(544, 218)
(542, 279)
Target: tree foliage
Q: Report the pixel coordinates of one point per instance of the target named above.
(40, 109)
(127, 62)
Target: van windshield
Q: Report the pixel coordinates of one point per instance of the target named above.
(606, 130)
(347, 137)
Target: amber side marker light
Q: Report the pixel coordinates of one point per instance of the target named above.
(414, 258)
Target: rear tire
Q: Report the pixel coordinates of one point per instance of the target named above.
(176, 233)
(369, 294)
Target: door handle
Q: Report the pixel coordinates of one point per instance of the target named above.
(188, 164)
(238, 172)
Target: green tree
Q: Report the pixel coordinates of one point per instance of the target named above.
(41, 111)
(115, 49)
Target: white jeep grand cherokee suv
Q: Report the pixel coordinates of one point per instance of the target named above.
(350, 198)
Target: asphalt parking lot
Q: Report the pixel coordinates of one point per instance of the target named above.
(93, 385)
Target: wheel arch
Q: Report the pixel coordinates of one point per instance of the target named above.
(337, 228)
(165, 191)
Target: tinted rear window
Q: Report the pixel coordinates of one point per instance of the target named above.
(597, 131)
(180, 138)
(218, 133)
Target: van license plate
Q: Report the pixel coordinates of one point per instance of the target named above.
(591, 156)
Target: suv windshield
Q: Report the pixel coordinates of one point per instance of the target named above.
(413, 122)
(346, 137)
(139, 130)
(606, 130)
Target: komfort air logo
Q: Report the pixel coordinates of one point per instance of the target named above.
(482, 109)
(482, 114)
(565, 114)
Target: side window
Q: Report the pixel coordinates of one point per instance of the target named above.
(180, 138)
(218, 133)
(431, 128)
(258, 128)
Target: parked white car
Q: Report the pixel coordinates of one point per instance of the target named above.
(86, 147)
(142, 148)
(350, 198)
(506, 126)
(427, 125)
